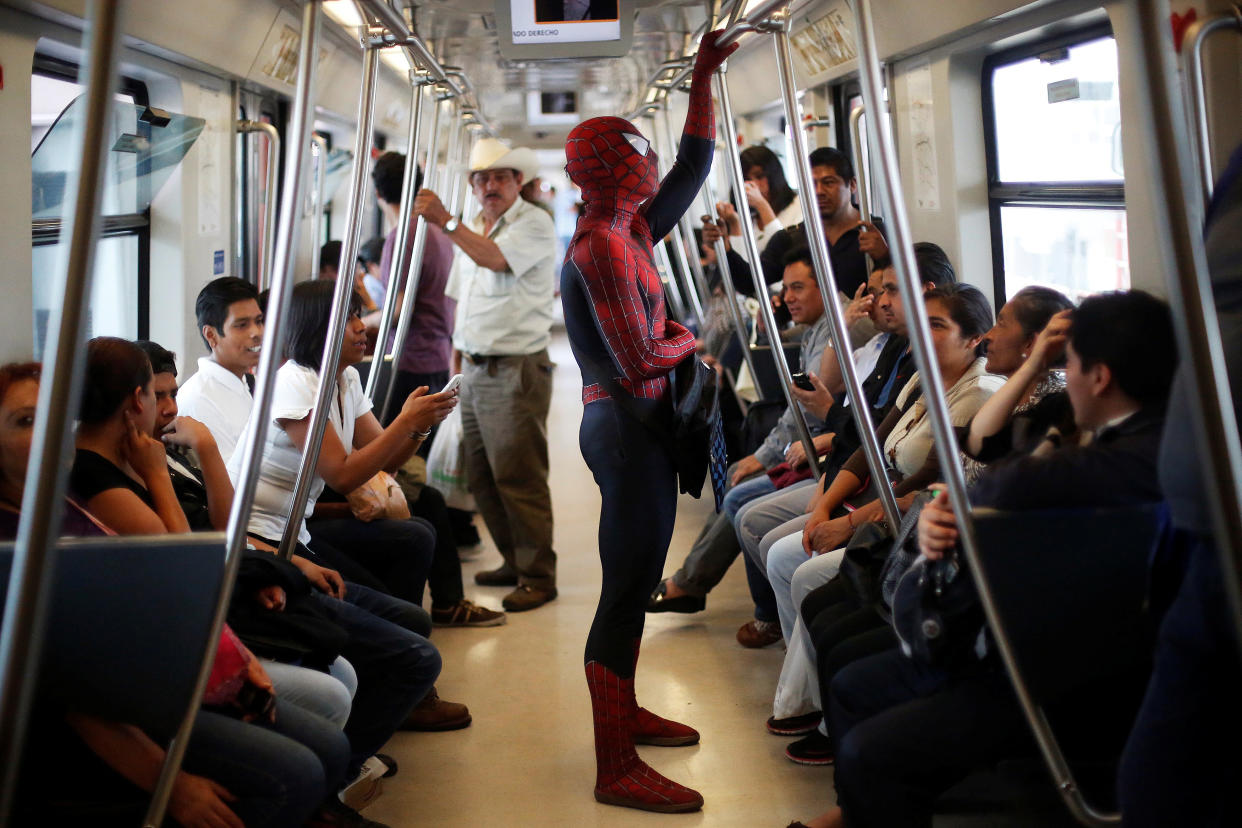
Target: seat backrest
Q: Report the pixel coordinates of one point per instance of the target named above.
(1071, 588)
(128, 624)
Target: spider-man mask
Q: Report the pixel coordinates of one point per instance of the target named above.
(610, 160)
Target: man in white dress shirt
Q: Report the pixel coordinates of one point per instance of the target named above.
(504, 281)
(219, 394)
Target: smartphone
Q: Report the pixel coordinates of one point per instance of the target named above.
(452, 384)
(801, 380)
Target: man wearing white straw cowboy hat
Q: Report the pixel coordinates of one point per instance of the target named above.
(504, 279)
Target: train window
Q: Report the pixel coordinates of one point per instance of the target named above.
(1055, 170)
(146, 145)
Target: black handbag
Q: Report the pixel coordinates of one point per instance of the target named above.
(936, 614)
(864, 559)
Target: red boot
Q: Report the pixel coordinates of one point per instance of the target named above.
(650, 729)
(621, 777)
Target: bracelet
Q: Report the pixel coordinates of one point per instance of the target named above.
(420, 435)
(849, 519)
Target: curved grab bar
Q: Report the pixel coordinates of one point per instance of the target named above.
(269, 132)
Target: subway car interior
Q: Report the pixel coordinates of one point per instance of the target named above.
(371, 369)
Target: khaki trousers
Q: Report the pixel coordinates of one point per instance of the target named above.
(504, 413)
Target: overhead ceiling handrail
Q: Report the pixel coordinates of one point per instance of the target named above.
(34, 557)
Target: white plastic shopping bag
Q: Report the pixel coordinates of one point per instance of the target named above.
(446, 464)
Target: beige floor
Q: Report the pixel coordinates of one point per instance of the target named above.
(527, 760)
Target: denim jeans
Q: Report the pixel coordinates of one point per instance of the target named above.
(279, 772)
(313, 690)
(396, 667)
(397, 552)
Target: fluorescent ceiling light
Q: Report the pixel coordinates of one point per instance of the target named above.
(343, 12)
(395, 57)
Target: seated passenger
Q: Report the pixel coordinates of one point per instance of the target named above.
(907, 731)
(256, 772)
(220, 394)
(838, 623)
(396, 667)
(354, 449)
(716, 547)
(206, 496)
(371, 287)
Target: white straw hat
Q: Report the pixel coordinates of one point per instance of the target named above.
(491, 154)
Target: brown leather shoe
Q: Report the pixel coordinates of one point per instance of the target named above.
(527, 597)
(434, 714)
(466, 614)
(756, 634)
(500, 576)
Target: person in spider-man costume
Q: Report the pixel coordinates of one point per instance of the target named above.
(614, 313)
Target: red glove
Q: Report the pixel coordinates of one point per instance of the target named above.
(710, 55)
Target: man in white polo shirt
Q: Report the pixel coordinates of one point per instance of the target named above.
(504, 280)
(219, 394)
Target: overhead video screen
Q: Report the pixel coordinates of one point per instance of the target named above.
(564, 21)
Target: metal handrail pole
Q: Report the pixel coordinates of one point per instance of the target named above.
(726, 284)
(34, 558)
(861, 172)
(672, 290)
(1214, 420)
(400, 258)
(340, 306)
(269, 198)
(826, 277)
(1196, 35)
(321, 183)
(450, 152)
(901, 244)
(676, 239)
(733, 167)
(751, 22)
(860, 163)
(695, 267)
(284, 261)
(415, 268)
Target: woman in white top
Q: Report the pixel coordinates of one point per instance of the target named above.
(354, 449)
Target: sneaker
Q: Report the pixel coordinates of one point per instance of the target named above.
(502, 575)
(527, 597)
(466, 614)
(366, 787)
(434, 714)
(812, 749)
(755, 634)
(794, 725)
(336, 814)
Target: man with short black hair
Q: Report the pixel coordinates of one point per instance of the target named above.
(219, 395)
(850, 240)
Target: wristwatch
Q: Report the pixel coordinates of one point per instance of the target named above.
(452, 224)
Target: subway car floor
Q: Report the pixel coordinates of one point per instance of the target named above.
(528, 759)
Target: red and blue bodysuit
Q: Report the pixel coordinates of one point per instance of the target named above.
(615, 317)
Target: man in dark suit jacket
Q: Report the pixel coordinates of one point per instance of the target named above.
(906, 732)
